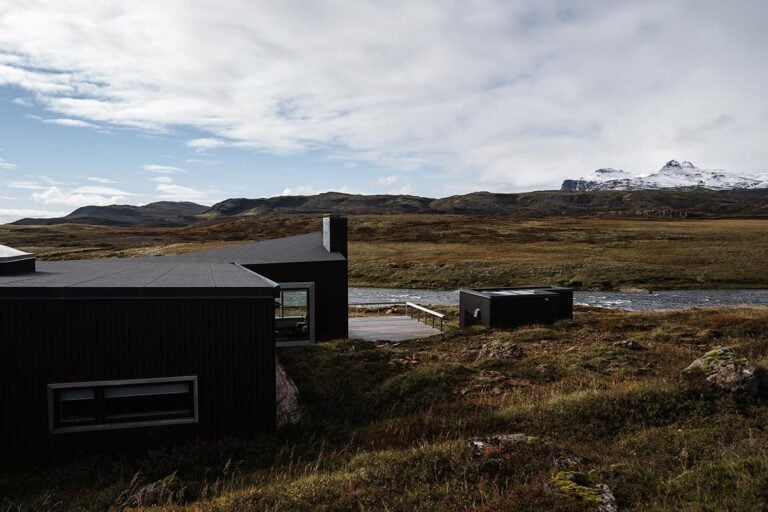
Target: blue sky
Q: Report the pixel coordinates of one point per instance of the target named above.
(137, 101)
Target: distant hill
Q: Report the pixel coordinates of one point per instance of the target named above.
(642, 203)
(159, 214)
(661, 203)
(332, 202)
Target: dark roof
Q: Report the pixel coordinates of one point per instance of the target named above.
(137, 276)
(292, 249)
(215, 272)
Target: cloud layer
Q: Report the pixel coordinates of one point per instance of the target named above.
(487, 94)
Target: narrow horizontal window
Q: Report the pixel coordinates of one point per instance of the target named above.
(76, 406)
(122, 404)
(148, 401)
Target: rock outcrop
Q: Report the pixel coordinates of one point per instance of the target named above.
(289, 408)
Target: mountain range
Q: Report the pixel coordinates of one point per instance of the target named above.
(697, 202)
(674, 174)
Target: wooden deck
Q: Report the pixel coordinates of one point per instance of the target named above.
(389, 328)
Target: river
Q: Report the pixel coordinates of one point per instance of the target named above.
(676, 299)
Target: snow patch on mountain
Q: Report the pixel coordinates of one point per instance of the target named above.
(674, 174)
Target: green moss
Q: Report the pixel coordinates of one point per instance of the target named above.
(720, 356)
(577, 485)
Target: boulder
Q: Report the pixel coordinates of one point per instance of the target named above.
(629, 344)
(483, 446)
(722, 368)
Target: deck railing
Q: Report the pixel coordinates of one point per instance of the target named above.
(415, 311)
(425, 314)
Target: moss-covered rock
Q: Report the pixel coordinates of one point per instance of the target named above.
(578, 486)
(724, 369)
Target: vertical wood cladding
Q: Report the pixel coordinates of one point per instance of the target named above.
(227, 343)
(331, 293)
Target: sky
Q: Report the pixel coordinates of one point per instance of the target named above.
(134, 101)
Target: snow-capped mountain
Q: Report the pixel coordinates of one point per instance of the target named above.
(674, 174)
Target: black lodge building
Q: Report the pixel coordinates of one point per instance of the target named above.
(120, 351)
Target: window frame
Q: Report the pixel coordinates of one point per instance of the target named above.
(54, 428)
(309, 286)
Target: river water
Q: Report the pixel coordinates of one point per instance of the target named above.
(618, 300)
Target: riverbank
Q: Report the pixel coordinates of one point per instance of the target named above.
(602, 397)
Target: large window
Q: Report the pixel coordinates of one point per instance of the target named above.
(122, 404)
(294, 316)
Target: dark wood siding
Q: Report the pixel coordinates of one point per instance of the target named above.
(331, 293)
(227, 343)
(467, 305)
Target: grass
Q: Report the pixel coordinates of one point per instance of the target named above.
(387, 427)
(440, 252)
(450, 251)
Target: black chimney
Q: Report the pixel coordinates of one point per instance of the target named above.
(335, 233)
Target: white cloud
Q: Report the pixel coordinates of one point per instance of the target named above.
(167, 189)
(34, 182)
(202, 161)
(300, 190)
(206, 144)
(7, 166)
(175, 192)
(387, 181)
(12, 214)
(80, 196)
(104, 181)
(494, 94)
(26, 184)
(24, 102)
(162, 169)
(78, 123)
(309, 190)
(392, 185)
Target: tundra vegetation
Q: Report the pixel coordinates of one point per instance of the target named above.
(586, 413)
(450, 251)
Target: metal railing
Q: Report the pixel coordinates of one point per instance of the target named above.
(416, 311)
(425, 314)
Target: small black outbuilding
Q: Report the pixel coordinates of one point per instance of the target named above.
(515, 306)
